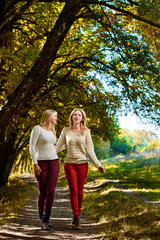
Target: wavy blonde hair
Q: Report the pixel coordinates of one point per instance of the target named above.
(83, 122)
(45, 118)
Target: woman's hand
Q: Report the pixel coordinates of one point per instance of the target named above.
(37, 169)
(102, 170)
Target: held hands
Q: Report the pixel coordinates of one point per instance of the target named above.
(37, 169)
(101, 169)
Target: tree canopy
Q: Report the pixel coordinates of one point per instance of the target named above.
(97, 55)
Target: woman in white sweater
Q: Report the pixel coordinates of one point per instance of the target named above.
(78, 141)
(46, 163)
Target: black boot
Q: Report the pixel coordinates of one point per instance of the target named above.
(46, 216)
(45, 220)
(45, 226)
(40, 215)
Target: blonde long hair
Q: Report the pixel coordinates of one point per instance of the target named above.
(83, 122)
(45, 117)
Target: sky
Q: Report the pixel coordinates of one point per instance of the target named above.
(132, 122)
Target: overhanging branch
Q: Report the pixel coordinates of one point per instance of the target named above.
(127, 13)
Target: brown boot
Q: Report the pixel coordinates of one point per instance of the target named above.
(77, 225)
(73, 222)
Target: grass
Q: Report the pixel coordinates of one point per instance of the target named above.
(141, 175)
(119, 216)
(13, 197)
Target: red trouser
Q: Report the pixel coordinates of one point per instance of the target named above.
(76, 175)
(47, 183)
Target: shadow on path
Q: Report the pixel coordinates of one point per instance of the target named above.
(119, 186)
(27, 225)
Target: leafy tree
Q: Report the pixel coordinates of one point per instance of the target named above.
(139, 141)
(101, 148)
(153, 145)
(120, 145)
(144, 140)
(48, 51)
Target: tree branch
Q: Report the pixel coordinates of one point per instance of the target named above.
(37, 76)
(8, 8)
(102, 3)
(17, 16)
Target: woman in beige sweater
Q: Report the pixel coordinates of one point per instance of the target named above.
(78, 141)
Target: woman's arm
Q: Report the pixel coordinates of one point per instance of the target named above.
(60, 145)
(91, 153)
(32, 144)
(32, 148)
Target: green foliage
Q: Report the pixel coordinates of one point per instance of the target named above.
(153, 144)
(101, 149)
(138, 141)
(129, 65)
(145, 140)
(150, 9)
(121, 144)
(101, 48)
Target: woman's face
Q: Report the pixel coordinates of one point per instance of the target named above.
(77, 117)
(53, 119)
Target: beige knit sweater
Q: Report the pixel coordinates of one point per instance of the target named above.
(78, 147)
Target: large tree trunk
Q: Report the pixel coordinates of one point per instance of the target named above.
(33, 82)
(7, 157)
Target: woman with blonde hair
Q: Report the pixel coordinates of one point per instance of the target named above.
(78, 141)
(46, 163)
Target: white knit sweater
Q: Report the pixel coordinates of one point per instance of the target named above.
(78, 147)
(41, 145)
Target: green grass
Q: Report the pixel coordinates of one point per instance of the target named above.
(13, 197)
(141, 175)
(118, 215)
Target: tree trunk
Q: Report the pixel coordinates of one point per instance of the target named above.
(32, 82)
(7, 157)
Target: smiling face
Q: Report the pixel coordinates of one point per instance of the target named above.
(53, 118)
(77, 117)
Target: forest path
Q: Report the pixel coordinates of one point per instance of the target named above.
(27, 226)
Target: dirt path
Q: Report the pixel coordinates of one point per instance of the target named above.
(27, 225)
(119, 186)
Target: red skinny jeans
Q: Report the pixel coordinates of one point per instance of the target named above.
(76, 175)
(47, 183)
